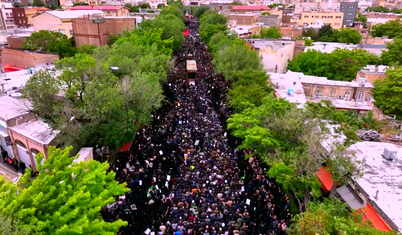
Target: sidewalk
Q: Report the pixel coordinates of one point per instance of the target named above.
(8, 172)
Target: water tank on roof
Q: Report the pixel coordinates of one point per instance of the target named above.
(290, 91)
(391, 155)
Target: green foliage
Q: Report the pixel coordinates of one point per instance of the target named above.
(132, 8)
(17, 4)
(276, 5)
(341, 64)
(393, 54)
(81, 4)
(344, 35)
(347, 35)
(88, 49)
(49, 41)
(332, 217)
(388, 93)
(211, 23)
(270, 32)
(325, 31)
(360, 17)
(98, 106)
(392, 29)
(384, 9)
(236, 3)
(200, 10)
(9, 226)
(266, 14)
(65, 198)
(38, 3)
(310, 32)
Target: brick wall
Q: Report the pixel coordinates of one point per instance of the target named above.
(26, 59)
(16, 42)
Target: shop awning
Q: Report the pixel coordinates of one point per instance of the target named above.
(325, 178)
(375, 218)
(125, 147)
(349, 197)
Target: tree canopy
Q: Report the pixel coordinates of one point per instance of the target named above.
(211, 22)
(341, 64)
(392, 56)
(327, 34)
(65, 198)
(392, 29)
(270, 32)
(92, 103)
(388, 93)
(49, 41)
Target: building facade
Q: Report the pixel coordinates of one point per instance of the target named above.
(26, 59)
(319, 19)
(30, 12)
(247, 9)
(7, 15)
(107, 10)
(244, 19)
(20, 19)
(349, 13)
(94, 30)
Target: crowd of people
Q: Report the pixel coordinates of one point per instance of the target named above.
(185, 173)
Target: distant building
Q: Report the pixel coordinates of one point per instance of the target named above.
(16, 42)
(299, 88)
(249, 8)
(60, 21)
(244, 19)
(30, 12)
(7, 17)
(329, 47)
(20, 19)
(244, 31)
(274, 53)
(372, 73)
(349, 13)
(271, 20)
(107, 10)
(313, 19)
(95, 30)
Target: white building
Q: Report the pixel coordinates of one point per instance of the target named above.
(7, 15)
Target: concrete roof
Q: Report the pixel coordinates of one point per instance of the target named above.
(11, 108)
(375, 68)
(328, 47)
(263, 43)
(36, 130)
(191, 65)
(250, 8)
(382, 175)
(71, 14)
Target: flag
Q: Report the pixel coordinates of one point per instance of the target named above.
(150, 189)
(187, 32)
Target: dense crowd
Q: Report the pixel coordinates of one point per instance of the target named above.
(184, 171)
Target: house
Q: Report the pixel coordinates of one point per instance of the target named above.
(59, 21)
(329, 47)
(107, 10)
(299, 88)
(31, 12)
(27, 59)
(244, 31)
(243, 19)
(349, 10)
(21, 134)
(275, 53)
(372, 73)
(95, 30)
(317, 19)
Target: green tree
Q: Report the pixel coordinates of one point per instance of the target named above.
(65, 198)
(38, 3)
(341, 64)
(387, 93)
(392, 55)
(362, 18)
(332, 217)
(49, 41)
(236, 3)
(88, 49)
(80, 4)
(199, 11)
(325, 31)
(211, 23)
(270, 32)
(347, 35)
(9, 226)
(310, 32)
(392, 29)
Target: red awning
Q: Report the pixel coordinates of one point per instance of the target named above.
(375, 218)
(125, 147)
(325, 178)
(9, 68)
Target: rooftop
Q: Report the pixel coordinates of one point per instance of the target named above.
(12, 108)
(382, 175)
(191, 65)
(243, 29)
(36, 130)
(328, 47)
(250, 8)
(101, 8)
(71, 14)
(375, 68)
(274, 43)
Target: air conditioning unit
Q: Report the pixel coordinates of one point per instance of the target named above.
(391, 155)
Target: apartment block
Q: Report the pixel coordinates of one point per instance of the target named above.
(313, 19)
(244, 19)
(349, 13)
(7, 16)
(96, 30)
(372, 73)
(107, 10)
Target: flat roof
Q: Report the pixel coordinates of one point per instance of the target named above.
(101, 8)
(36, 130)
(250, 8)
(191, 65)
(12, 108)
(382, 175)
(71, 14)
(263, 43)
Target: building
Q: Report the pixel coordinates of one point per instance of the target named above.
(221, 5)
(299, 88)
(372, 73)
(60, 21)
(349, 13)
(20, 19)
(244, 31)
(271, 20)
(329, 47)
(26, 59)
(16, 41)
(154, 3)
(30, 12)
(7, 15)
(244, 19)
(107, 10)
(21, 135)
(313, 19)
(275, 54)
(247, 9)
(95, 30)
(291, 32)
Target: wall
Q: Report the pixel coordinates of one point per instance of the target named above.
(45, 21)
(87, 32)
(299, 47)
(272, 20)
(291, 32)
(276, 61)
(311, 90)
(25, 59)
(334, 19)
(7, 14)
(30, 12)
(16, 42)
(220, 7)
(308, 6)
(244, 19)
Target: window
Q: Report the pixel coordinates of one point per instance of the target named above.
(7, 15)
(348, 20)
(317, 17)
(346, 96)
(337, 24)
(350, 13)
(318, 92)
(63, 31)
(18, 14)
(360, 96)
(351, 7)
(71, 32)
(338, 17)
(333, 92)
(330, 17)
(107, 12)
(363, 32)
(323, 17)
(306, 16)
(20, 21)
